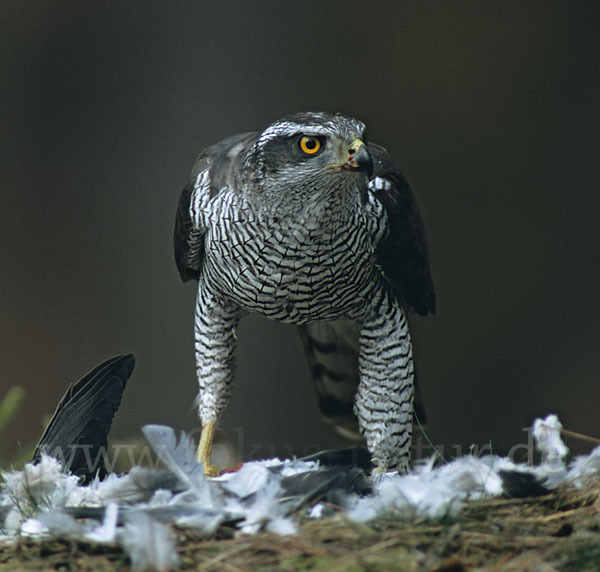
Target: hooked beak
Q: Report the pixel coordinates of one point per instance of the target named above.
(356, 158)
(359, 158)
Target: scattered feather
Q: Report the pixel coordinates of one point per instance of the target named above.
(36, 483)
(316, 511)
(12, 521)
(289, 468)
(546, 433)
(149, 544)
(78, 431)
(247, 481)
(137, 509)
(583, 467)
(202, 520)
(139, 485)
(332, 484)
(107, 531)
(265, 507)
(518, 484)
(33, 527)
(178, 458)
(358, 457)
(282, 525)
(53, 523)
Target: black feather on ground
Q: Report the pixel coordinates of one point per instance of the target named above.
(358, 457)
(331, 484)
(78, 431)
(518, 485)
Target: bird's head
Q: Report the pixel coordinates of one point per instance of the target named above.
(309, 153)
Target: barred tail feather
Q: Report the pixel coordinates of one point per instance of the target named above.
(331, 350)
(332, 353)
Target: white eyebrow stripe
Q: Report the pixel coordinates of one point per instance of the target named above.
(322, 126)
(288, 128)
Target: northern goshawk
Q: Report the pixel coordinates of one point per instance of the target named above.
(306, 223)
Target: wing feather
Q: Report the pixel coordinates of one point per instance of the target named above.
(80, 425)
(221, 165)
(402, 254)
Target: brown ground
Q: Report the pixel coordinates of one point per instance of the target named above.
(560, 531)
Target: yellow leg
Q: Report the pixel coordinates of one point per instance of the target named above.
(204, 448)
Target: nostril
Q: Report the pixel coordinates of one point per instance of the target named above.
(352, 151)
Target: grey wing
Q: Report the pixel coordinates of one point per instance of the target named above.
(188, 240)
(403, 254)
(216, 168)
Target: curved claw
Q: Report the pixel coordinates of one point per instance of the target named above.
(211, 470)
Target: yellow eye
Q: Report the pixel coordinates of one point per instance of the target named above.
(309, 145)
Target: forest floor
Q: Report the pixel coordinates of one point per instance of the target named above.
(558, 531)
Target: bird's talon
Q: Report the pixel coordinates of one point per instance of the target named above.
(211, 470)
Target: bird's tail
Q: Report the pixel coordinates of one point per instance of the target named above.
(332, 352)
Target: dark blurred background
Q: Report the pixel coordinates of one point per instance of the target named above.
(491, 109)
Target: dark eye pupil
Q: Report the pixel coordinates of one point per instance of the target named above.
(311, 143)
